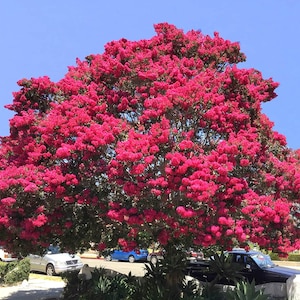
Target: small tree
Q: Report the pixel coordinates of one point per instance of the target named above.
(161, 139)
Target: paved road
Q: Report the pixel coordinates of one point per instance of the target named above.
(289, 264)
(34, 289)
(136, 269)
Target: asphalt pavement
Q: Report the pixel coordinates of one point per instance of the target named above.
(33, 289)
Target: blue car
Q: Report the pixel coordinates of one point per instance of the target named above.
(131, 256)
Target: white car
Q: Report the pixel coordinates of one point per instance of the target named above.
(6, 256)
(54, 262)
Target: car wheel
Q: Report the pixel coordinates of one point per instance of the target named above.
(131, 259)
(108, 258)
(50, 271)
(154, 259)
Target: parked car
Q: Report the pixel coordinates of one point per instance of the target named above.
(155, 255)
(252, 265)
(195, 254)
(131, 256)
(159, 253)
(6, 255)
(54, 262)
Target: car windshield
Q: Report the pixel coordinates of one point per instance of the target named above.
(263, 260)
(54, 249)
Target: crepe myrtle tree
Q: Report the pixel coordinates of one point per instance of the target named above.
(154, 140)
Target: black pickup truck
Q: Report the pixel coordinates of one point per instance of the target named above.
(253, 265)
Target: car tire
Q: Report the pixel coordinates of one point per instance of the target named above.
(131, 259)
(50, 271)
(108, 258)
(153, 259)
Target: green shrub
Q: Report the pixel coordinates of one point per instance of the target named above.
(3, 266)
(153, 286)
(245, 291)
(274, 256)
(6, 267)
(294, 257)
(101, 286)
(164, 280)
(2, 271)
(211, 293)
(17, 271)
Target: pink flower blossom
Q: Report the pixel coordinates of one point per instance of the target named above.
(164, 136)
(185, 212)
(9, 201)
(40, 220)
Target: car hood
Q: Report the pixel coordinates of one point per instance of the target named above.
(283, 271)
(62, 256)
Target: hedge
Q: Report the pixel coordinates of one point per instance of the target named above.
(14, 272)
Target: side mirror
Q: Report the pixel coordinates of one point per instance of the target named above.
(248, 267)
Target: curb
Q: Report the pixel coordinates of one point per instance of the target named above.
(286, 263)
(45, 277)
(90, 257)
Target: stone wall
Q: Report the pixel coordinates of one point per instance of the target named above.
(293, 288)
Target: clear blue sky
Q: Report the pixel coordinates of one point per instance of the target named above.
(44, 37)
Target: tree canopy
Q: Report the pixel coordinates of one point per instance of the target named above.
(160, 139)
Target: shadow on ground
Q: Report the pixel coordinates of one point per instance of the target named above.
(34, 289)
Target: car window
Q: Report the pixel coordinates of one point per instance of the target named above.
(239, 259)
(262, 260)
(250, 262)
(54, 249)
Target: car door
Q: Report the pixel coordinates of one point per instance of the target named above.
(247, 265)
(123, 255)
(39, 262)
(252, 271)
(116, 255)
(44, 260)
(35, 262)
